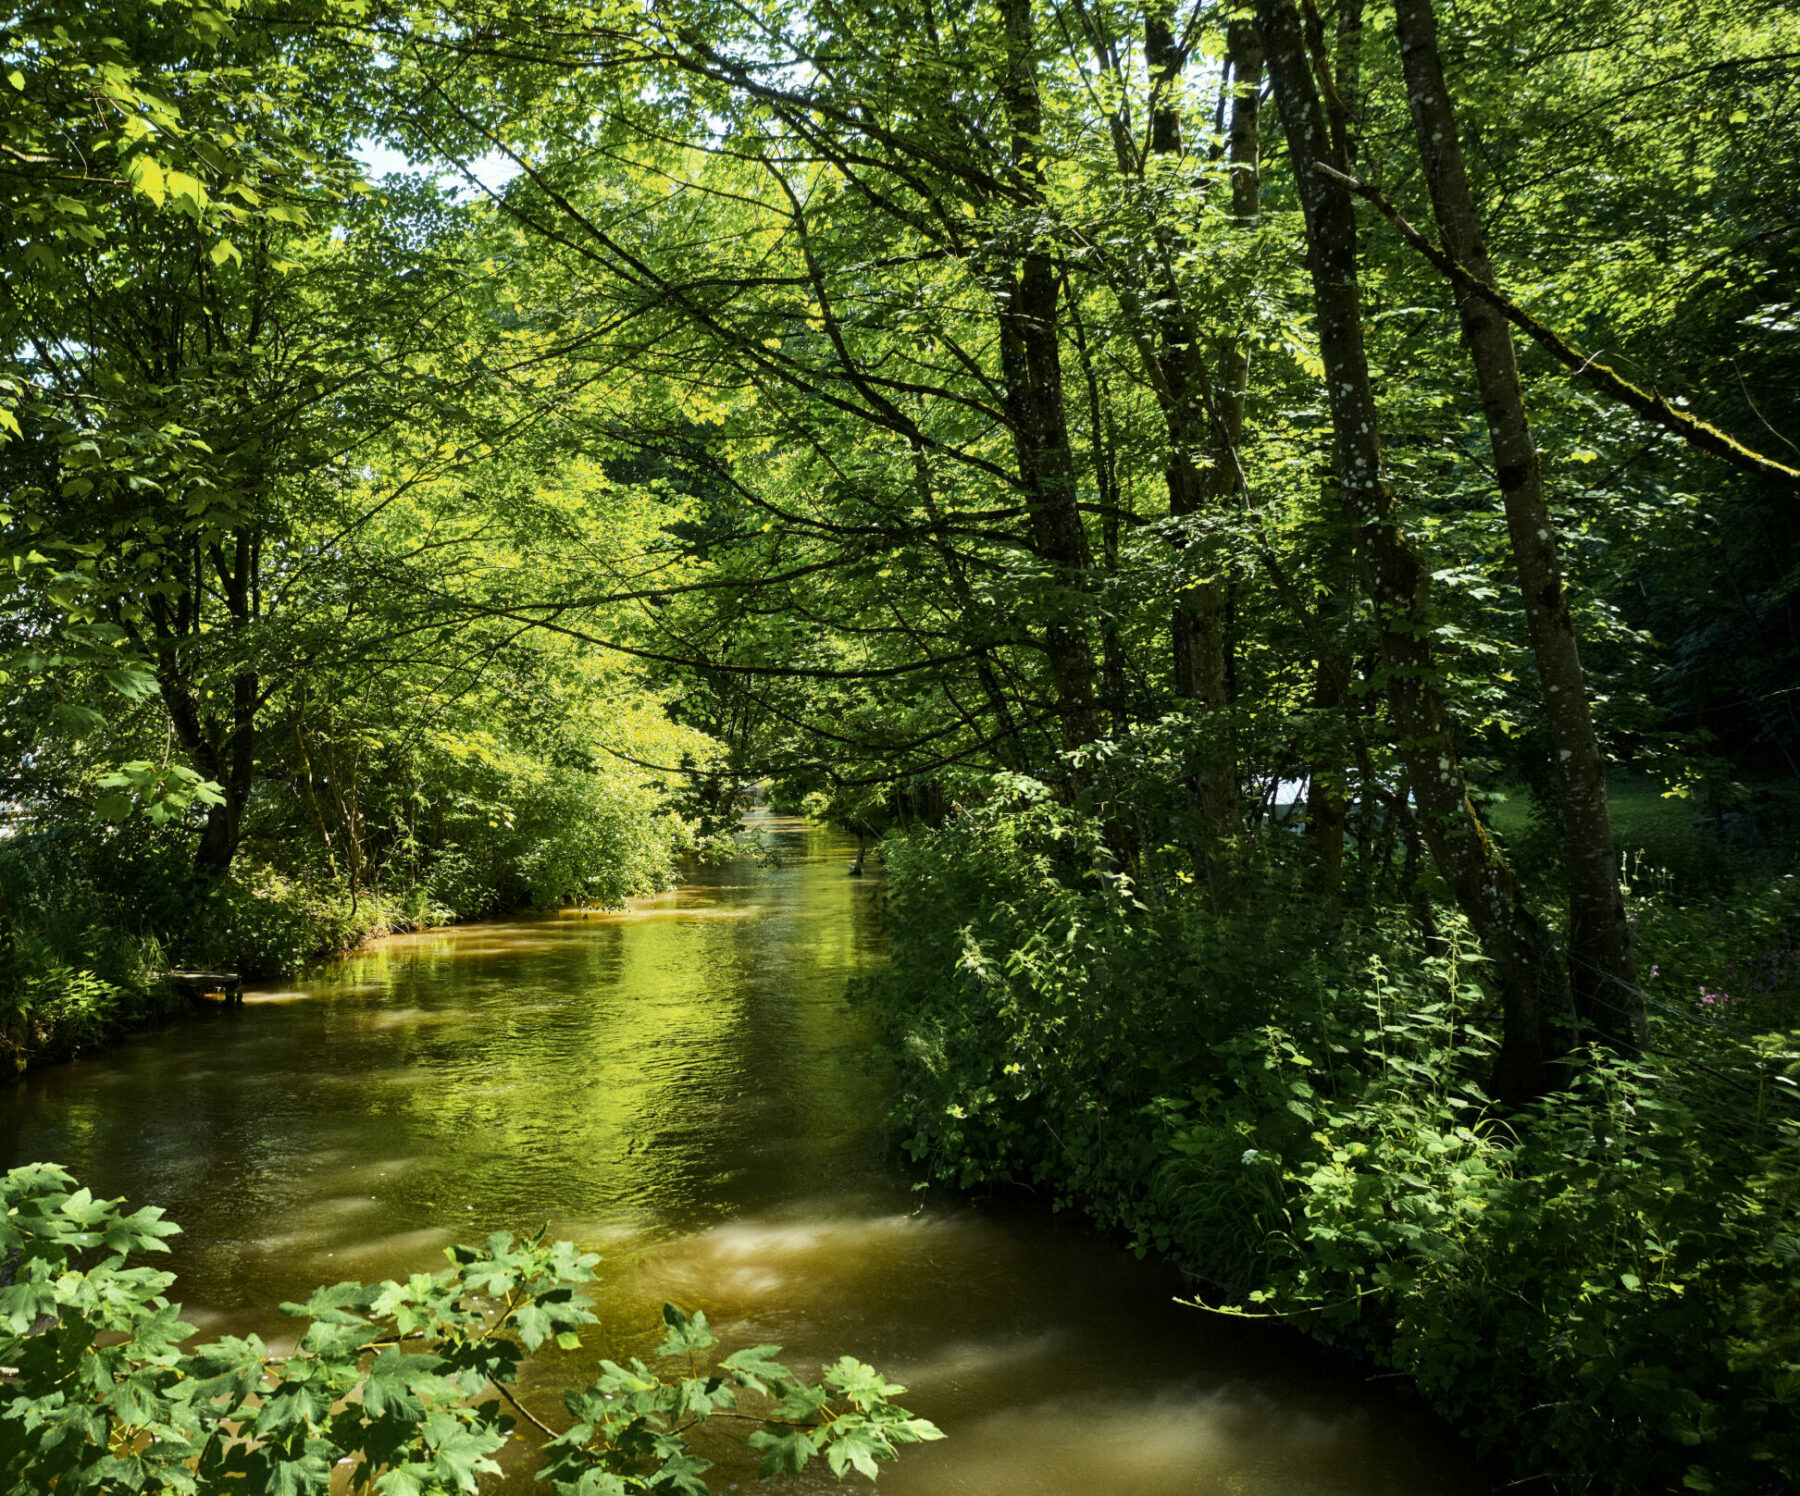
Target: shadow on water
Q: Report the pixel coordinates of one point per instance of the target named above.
(681, 1088)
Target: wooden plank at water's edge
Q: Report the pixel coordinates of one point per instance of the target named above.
(198, 984)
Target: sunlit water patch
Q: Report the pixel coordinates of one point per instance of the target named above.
(681, 1087)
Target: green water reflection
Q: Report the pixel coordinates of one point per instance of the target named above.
(683, 1089)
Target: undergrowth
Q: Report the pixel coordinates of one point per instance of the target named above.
(1603, 1288)
(90, 948)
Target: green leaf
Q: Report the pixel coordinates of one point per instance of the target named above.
(756, 1368)
(858, 1447)
(113, 807)
(74, 717)
(188, 189)
(783, 1451)
(404, 1480)
(686, 1335)
(861, 1383)
(147, 177)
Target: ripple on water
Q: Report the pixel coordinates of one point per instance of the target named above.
(1172, 1441)
(665, 1085)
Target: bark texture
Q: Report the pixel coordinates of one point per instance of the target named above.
(1031, 367)
(1602, 974)
(1538, 1015)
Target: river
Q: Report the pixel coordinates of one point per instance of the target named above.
(683, 1089)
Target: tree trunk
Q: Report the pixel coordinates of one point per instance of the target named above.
(1603, 974)
(1031, 367)
(1533, 987)
(1172, 351)
(1349, 75)
(15, 1020)
(303, 787)
(1197, 624)
(1112, 648)
(1009, 748)
(227, 756)
(1326, 802)
(1211, 681)
(1162, 55)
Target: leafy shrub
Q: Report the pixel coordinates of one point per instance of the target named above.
(98, 901)
(91, 954)
(1609, 1276)
(59, 1010)
(1041, 999)
(388, 1387)
(416, 909)
(1605, 1286)
(68, 1011)
(261, 924)
(1713, 958)
(562, 836)
(589, 839)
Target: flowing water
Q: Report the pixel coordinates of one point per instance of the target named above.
(682, 1089)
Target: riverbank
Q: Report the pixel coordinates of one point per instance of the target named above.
(680, 1087)
(1600, 1288)
(258, 926)
(101, 906)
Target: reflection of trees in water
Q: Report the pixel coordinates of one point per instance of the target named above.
(684, 1092)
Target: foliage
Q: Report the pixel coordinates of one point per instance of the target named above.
(1054, 978)
(981, 416)
(405, 1384)
(1607, 1280)
(1603, 1284)
(263, 926)
(1716, 957)
(68, 1011)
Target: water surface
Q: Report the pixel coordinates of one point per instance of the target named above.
(683, 1089)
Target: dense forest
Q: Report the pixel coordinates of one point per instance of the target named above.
(1278, 522)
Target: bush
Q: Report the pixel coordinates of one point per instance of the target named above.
(1605, 1286)
(562, 837)
(98, 924)
(66, 1011)
(1715, 959)
(263, 925)
(388, 1386)
(1607, 1279)
(102, 911)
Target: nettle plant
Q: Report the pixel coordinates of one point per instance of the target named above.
(406, 1389)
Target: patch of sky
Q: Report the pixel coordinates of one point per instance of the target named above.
(485, 174)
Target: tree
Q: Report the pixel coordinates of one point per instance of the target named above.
(1603, 975)
(1533, 987)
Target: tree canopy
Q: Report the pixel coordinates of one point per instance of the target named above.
(1274, 435)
